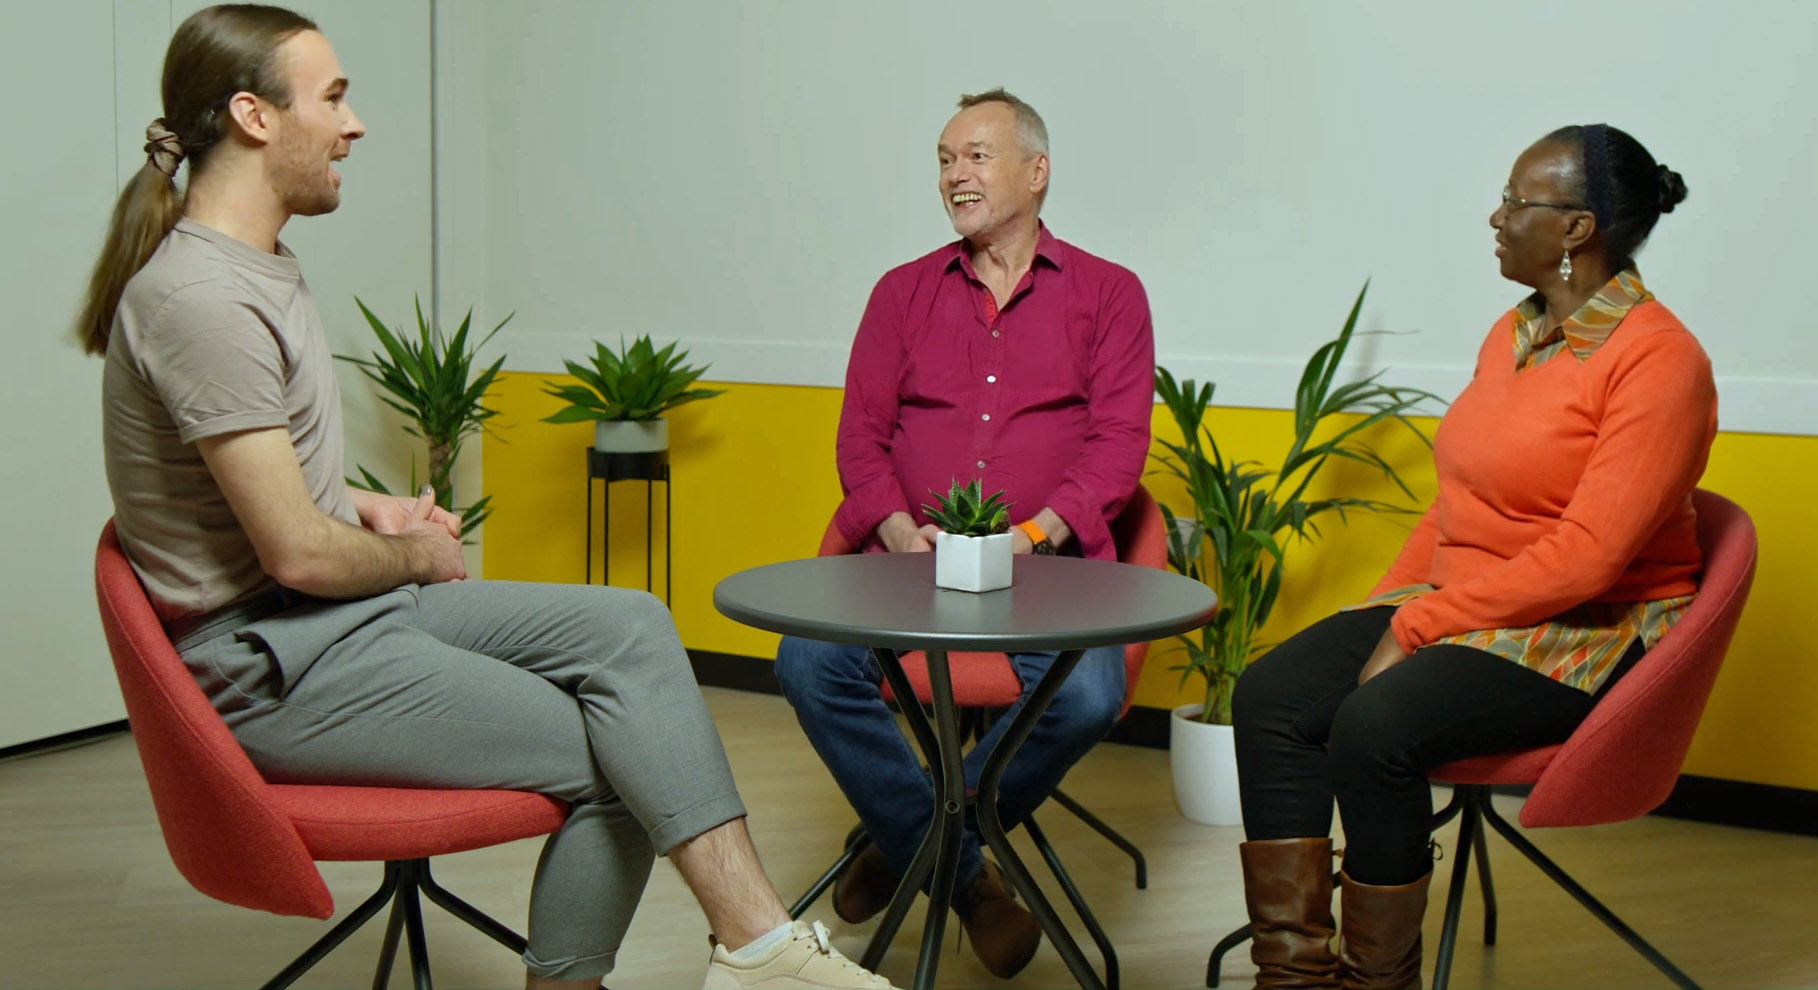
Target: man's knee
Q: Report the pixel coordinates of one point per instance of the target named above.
(808, 670)
(639, 615)
(1088, 706)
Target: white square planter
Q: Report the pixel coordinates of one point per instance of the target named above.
(972, 563)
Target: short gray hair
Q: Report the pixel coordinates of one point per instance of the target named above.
(1029, 126)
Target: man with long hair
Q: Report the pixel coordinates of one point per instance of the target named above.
(331, 627)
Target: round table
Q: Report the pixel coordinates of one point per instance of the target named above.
(889, 603)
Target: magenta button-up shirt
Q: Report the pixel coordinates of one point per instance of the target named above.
(1049, 400)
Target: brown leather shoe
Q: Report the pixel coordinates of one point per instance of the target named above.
(1288, 890)
(1004, 934)
(865, 888)
(1380, 948)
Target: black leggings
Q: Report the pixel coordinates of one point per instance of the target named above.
(1306, 733)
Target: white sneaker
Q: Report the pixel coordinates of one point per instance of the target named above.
(806, 960)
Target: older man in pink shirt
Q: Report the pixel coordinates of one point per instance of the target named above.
(1011, 356)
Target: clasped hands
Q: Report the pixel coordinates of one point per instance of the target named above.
(900, 534)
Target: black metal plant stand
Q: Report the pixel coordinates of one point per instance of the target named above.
(646, 466)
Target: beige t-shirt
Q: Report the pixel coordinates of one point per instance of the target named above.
(212, 336)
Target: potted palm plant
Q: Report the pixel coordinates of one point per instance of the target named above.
(432, 380)
(1236, 533)
(626, 394)
(972, 551)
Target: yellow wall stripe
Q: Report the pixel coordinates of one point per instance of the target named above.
(755, 483)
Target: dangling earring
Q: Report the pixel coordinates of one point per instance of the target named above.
(1565, 266)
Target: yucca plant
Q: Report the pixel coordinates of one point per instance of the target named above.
(637, 382)
(966, 511)
(1243, 512)
(431, 380)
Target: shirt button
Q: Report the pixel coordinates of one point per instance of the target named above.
(996, 333)
(986, 417)
(981, 465)
(991, 379)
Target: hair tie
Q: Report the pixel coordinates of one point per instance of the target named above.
(163, 149)
(1597, 172)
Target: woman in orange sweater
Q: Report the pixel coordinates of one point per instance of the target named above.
(1561, 546)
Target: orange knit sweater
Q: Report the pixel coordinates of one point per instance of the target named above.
(1565, 483)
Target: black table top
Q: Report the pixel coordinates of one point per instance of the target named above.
(889, 600)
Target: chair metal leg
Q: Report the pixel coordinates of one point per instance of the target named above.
(854, 846)
(1484, 883)
(1077, 899)
(1468, 825)
(1116, 838)
(1591, 904)
(388, 950)
(414, 937)
(338, 934)
(1450, 811)
(403, 881)
(1226, 944)
(468, 913)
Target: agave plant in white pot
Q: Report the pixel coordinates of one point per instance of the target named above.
(626, 393)
(1235, 538)
(972, 551)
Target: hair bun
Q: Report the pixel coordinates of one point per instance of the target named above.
(1671, 189)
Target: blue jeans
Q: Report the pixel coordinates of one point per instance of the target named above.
(836, 694)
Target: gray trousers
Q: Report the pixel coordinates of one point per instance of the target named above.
(582, 693)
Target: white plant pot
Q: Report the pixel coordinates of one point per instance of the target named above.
(972, 563)
(1204, 759)
(627, 436)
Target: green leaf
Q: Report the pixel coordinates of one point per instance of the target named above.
(1243, 514)
(635, 382)
(965, 510)
(435, 382)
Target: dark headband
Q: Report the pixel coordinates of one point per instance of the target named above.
(1597, 172)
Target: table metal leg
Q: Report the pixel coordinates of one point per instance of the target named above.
(991, 827)
(937, 861)
(950, 812)
(923, 864)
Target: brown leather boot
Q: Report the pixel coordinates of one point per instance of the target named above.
(1380, 947)
(865, 888)
(1004, 934)
(1288, 889)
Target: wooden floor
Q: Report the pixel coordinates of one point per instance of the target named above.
(88, 897)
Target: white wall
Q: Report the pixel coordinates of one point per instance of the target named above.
(83, 75)
(54, 672)
(739, 174)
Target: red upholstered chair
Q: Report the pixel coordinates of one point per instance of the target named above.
(241, 840)
(984, 684)
(1621, 763)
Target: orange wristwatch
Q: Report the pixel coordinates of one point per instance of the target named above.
(1033, 531)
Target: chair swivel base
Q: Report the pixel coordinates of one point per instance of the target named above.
(404, 880)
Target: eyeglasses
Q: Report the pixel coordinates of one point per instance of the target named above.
(1513, 203)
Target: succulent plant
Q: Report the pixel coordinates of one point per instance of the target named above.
(965, 511)
(637, 382)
